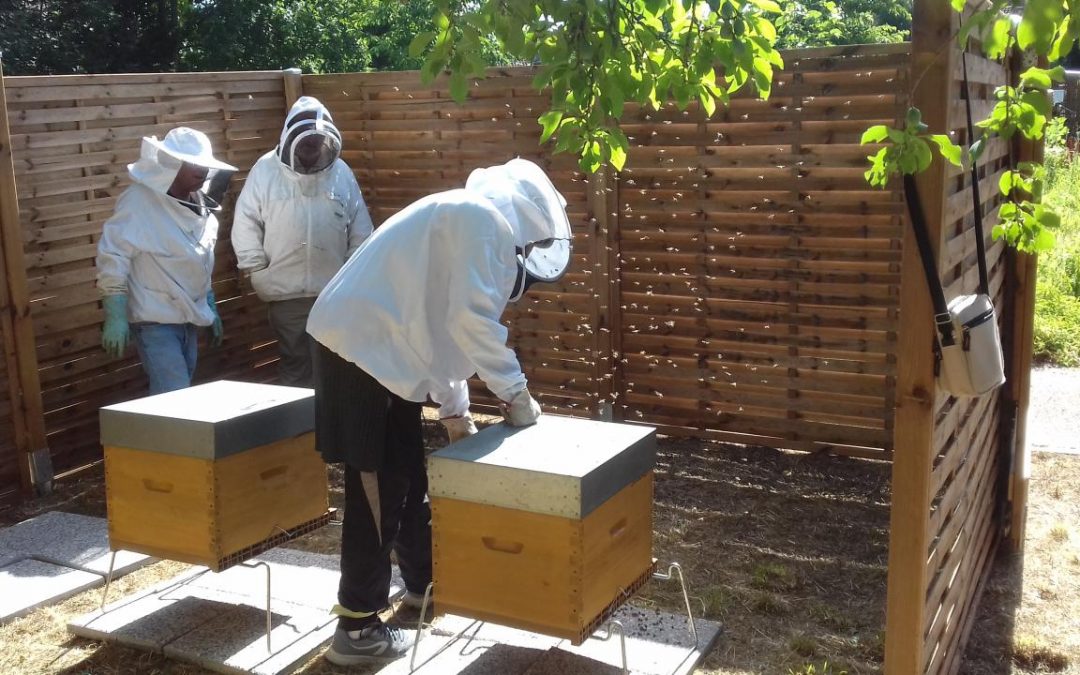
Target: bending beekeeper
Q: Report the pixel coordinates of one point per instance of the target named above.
(298, 219)
(413, 314)
(156, 256)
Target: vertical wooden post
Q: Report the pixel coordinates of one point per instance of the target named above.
(916, 396)
(606, 317)
(1025, 267)
(35, 464)
(294, 86)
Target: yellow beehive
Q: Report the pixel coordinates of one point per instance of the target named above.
(547, 528)
(212, 474)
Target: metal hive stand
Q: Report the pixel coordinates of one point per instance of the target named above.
(603, 621)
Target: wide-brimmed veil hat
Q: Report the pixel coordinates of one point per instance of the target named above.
(189, 145)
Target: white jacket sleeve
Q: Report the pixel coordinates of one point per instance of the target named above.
(360, 225)
(115, 250)
(454, 400)
(248, 226)
(476, 302)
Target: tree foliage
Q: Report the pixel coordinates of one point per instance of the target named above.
(818, 23)
(1048, 28)
(41, 37)
(596, 55)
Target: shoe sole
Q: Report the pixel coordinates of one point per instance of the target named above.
(339, 659)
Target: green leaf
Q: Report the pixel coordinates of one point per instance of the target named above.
(459, 86)
(923, 156)
(949, 150)
(996, 40)
(875, 134)
(420, 43)
(550, 122)
(958, 5)
(1043, 241)
(1036, 77)
(1039, 25)
(708, 103)
(618, 157)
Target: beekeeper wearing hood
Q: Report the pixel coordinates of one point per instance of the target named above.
(412, 315)
(299, 217)
(156, 256)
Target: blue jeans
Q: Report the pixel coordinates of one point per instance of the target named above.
(168, 352)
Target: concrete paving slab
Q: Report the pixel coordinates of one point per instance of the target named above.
(28, 584)
(657, 644)
(218, 621)
(68, 539)
(297, 577)
(235, 641)
(437, 655)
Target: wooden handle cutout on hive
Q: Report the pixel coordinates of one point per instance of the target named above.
(618, 528)
(275, 477)
(511, 547)
(157, 486)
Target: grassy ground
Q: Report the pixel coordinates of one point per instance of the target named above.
(1057, 307)
(788, 551)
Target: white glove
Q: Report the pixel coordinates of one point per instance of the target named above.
(522, 410)
(459, 427)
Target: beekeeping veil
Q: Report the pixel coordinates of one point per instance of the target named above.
(310, 143)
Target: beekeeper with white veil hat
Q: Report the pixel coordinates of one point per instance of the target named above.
(156, 255)
(412, 315)
(298, 219)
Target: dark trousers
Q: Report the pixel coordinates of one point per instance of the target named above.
(289, 318)
(406, 527)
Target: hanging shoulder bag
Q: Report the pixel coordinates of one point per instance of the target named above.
(968, 345)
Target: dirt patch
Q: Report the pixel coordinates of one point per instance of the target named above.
(1027, 621)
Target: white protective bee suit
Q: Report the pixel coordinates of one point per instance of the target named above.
(293, 231)
(418, 306)
(157, 250)
(295, 226)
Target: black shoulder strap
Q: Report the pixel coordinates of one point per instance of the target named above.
(980, 235)
(926, 252)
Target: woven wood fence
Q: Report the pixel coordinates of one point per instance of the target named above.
(71, 139)
(737, 280)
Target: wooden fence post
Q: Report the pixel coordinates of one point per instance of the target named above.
(1018, 369)
(294, 87)
(35, 463)
(933, 56)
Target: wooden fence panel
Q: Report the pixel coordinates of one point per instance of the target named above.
(72, 138)
(759, 272)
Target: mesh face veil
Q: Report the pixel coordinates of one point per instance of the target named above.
(310, 144)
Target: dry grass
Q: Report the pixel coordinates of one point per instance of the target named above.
(788, 551)
(1027, 619)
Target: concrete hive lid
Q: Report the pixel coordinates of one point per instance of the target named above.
(210, 420)
(560, 466)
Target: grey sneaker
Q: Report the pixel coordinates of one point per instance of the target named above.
(377, 642)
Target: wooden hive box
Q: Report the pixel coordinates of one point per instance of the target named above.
(213, 474)
(546, 528)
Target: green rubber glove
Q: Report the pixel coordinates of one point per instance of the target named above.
(115, 335)
(217, 329)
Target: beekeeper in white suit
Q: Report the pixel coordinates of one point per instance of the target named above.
(298, 219)
(412, 315)
(156, 256)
